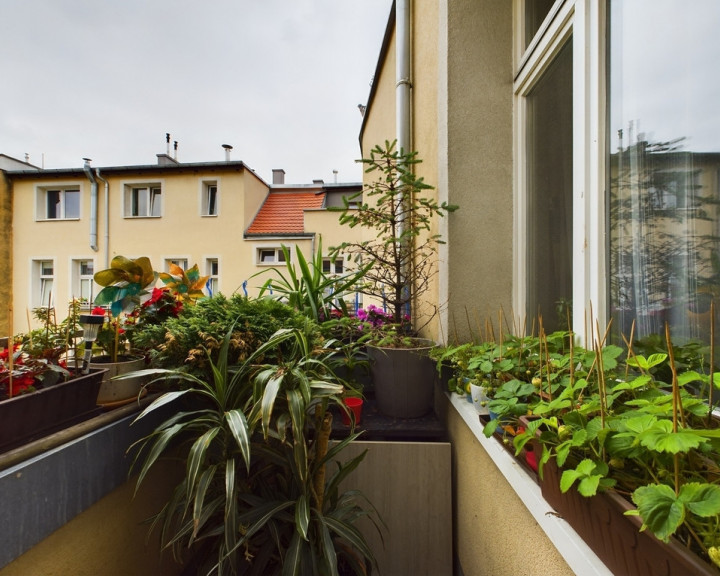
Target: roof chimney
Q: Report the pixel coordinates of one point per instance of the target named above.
(227, 151)
(278, 176)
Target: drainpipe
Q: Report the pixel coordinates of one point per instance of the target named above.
(403, 85)
(107, 217)
(403, 88)
(93, 205)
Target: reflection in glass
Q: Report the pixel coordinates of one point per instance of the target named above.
(664, 168)
(549, 194)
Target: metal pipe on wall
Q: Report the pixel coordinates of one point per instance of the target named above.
(93, 205)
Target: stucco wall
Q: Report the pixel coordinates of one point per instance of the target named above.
(479, 157)
(494, 533)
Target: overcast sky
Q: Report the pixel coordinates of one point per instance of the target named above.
(279, 80)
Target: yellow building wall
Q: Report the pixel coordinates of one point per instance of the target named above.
(180, 233)
(6, 254)
(478, 156)
(493, 532)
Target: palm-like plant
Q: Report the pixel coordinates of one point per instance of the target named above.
(311, 291)
(254, 499)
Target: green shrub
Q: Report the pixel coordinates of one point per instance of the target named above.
(182, 342)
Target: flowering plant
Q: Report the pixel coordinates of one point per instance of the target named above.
(40, 357)
(16, 377)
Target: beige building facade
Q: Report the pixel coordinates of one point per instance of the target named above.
(64, 225)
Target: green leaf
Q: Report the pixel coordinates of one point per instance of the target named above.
(659, 509)
(661, 438)
(302, 515)
(293, 556)
(202, 487)
(197, 455)
(239, 429)
(701, 499)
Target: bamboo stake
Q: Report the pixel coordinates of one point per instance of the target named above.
(676, 400)
(712, 362)
(467, 318)
(321, 447)
(11, 350)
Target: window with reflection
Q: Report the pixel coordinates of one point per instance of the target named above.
(549, 165)
(664, 170)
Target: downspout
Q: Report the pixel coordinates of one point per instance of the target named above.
(403, 97)
(93, 205)
(107, 217)
(403, 85)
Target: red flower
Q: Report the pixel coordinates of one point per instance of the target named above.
(98, 311)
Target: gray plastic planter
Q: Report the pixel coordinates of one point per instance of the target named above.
(404, 380)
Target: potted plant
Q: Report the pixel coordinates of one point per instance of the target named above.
(125, 285)
(257, 497)
(133, 300)
(615, 441)
(42, 390)
(399, 214)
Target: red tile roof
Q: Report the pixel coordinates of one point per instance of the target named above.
(282, 212)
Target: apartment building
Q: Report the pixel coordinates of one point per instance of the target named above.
(63, 225)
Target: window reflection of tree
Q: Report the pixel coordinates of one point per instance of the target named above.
(664, 242)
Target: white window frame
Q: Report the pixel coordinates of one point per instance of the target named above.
(214, 274)
(332, 266)
(181, 262)
(41, 200)
(277, 260)
(206, 191)
(42, 283)
(151, 190)
(585, 21)
(80, 278)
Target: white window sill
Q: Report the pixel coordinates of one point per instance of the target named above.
(578, 555)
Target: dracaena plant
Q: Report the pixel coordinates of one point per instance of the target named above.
(256, 497)
(305, 287)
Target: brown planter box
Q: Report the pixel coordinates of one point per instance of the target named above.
(616, 538)
(31, 416)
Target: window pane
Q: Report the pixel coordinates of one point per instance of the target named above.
(326, 266)
(338, 266)
(86, 267)
(664, 168)
(549, 194)
(140, 202)
(46, 286)
(535, 12)
(53, 204)
(281, 255)
(155, 202)
(86, 289)
(211, 200)
(267, 255)
(72, 203)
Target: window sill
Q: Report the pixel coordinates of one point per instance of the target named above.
(142, 217)
(577, 554)
(57, 220)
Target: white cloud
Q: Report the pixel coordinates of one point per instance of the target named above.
(278, 80)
